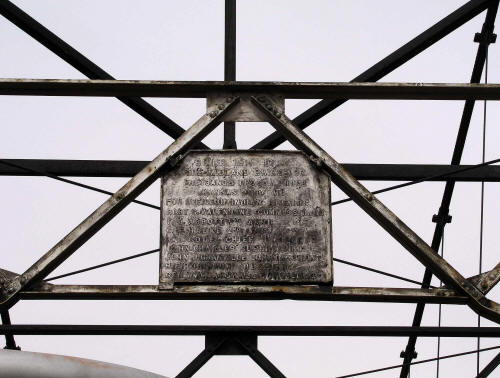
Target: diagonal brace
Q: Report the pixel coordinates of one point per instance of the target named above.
(379, 212)
(116, 203)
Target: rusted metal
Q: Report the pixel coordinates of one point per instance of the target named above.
(245, 216)
(244, 111)
(381, 214)
(202, 89)
(246, 292)
(109, 209)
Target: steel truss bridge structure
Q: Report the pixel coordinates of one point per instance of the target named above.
(242, 340)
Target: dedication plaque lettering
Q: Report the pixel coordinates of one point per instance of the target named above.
(245, 217)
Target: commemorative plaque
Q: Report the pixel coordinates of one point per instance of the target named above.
(245, 217)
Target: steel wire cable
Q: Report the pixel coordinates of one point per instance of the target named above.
(85, 186)
(418, 362)
(481, 219)
(429, 178)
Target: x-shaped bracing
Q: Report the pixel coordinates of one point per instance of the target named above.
(339, 176)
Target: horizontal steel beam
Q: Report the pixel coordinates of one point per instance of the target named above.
(196, 330)
(127, 168)
(245, 292)
(194, 89)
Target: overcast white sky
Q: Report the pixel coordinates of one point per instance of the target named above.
(279, 41)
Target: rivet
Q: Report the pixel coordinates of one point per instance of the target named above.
(229, 99)
(484, 285)
(23, 280)
(269, 107)
(2, 281)
(221, 106)
(492, 276)
(261, 98)
(277, 114)
(10, 290)
(213, 114)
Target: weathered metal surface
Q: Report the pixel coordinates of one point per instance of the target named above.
(235, 216)
(202, 89)
(247, 292)
(381, 214)
(244, 111)
(109, 209)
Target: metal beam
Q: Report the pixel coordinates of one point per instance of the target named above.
(85, 66)
(488, 369)
(444, 209)
(198, 330)
(230, 65)
(402, 55)
(244, 292)
(200, 89)
(10, 342)
(109, 209)
(129, 168)
(381, 214)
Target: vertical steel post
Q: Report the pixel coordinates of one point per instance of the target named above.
(443, 213)
(230, 65)
(10, 343)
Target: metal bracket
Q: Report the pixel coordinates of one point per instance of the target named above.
(404, 353)
(244, 111)
(238, 344)
(442, 218)
(486, 38)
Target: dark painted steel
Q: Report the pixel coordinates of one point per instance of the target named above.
(202, 89)
(230, 65)
(116, 203)
(195, 365)
(414, 47)
(263, 362)
(85, 66)
(380, 213)
(488, 369)
(198, 330)
(377, 172)
(443, 211)
(419, 362)
(10, 342)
